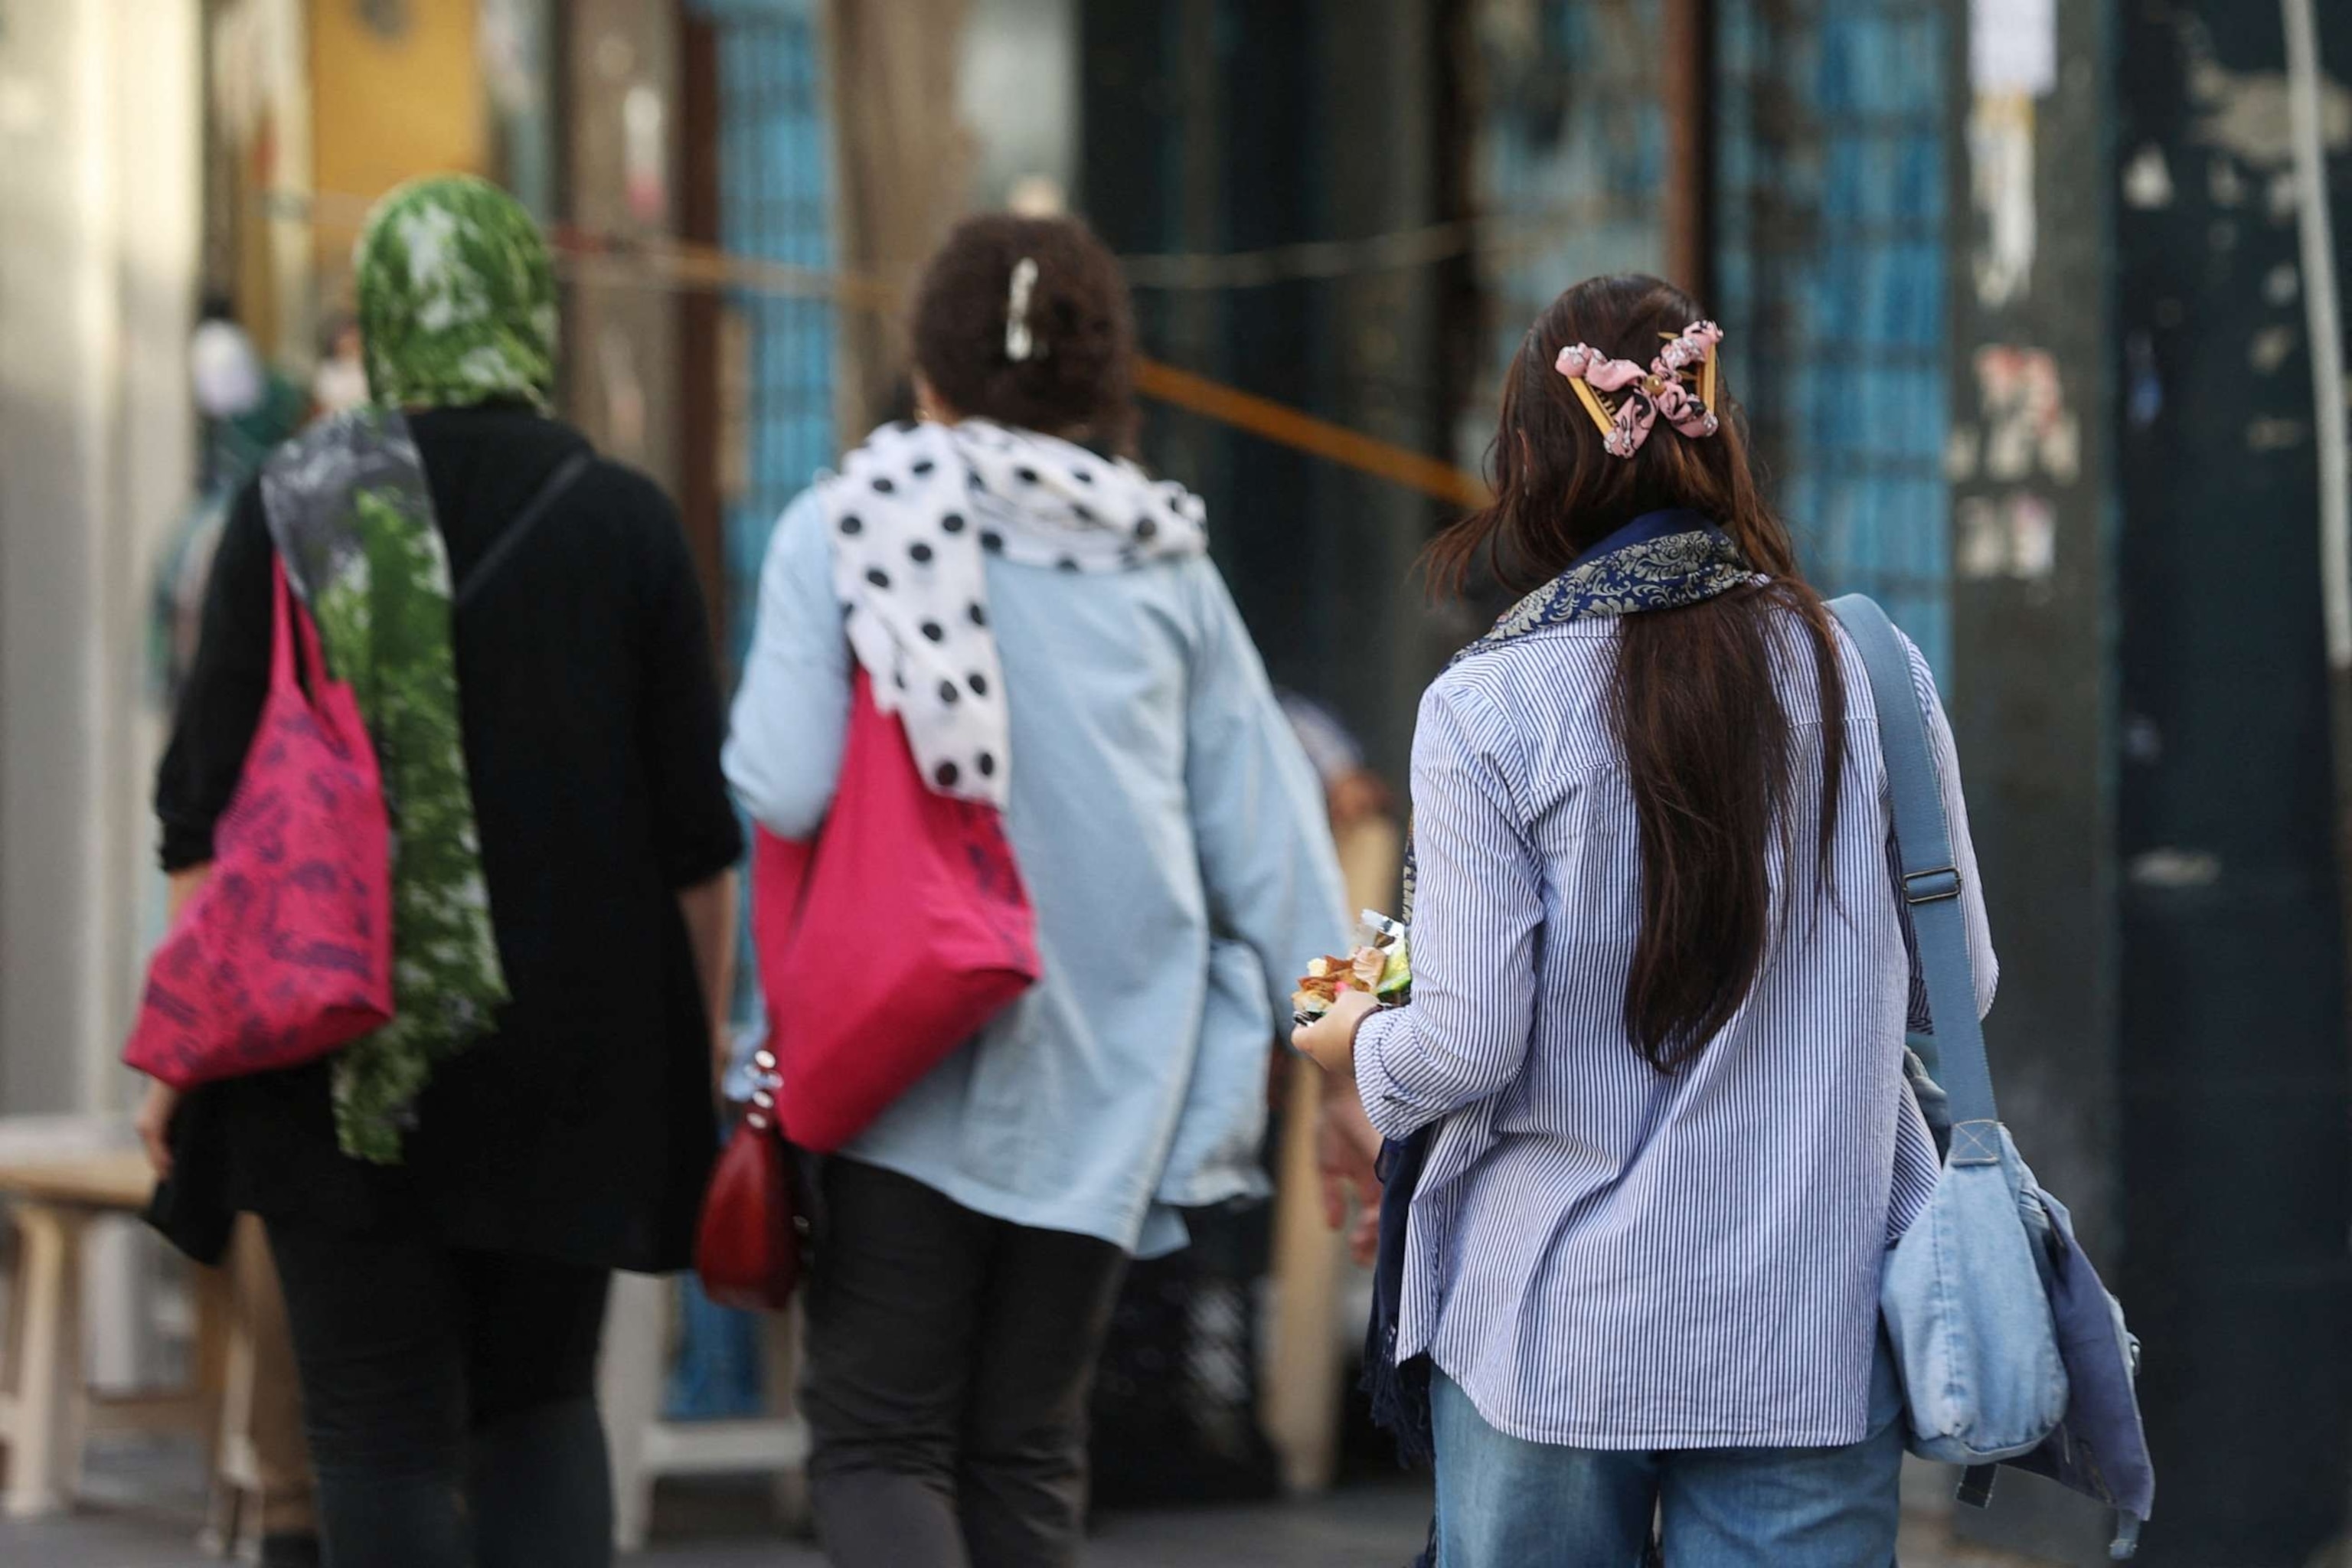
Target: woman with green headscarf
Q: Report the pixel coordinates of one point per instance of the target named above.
(522, 625)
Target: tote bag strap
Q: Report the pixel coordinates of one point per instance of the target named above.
(281, 625)
(1931, 877)
(503, 548)
(290, 619)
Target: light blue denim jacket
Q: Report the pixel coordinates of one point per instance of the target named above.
(1175, 846)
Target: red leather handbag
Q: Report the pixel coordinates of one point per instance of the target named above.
(889, 942)
(748, 1247)
(285, 953)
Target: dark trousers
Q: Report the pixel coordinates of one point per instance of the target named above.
(949, 1358)
(449, 1399)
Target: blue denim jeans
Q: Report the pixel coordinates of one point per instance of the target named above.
(1505, 1502)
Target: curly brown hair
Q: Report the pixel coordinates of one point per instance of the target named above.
(1079, 381)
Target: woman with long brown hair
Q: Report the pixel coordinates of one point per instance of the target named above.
(1651, 1130)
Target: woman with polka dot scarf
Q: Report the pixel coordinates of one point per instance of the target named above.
(1043, 617)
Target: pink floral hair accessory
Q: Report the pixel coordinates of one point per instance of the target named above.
(1626, 401)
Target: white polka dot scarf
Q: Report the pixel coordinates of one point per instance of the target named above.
(912, 517)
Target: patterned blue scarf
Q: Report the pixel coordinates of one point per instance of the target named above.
(1659, 560)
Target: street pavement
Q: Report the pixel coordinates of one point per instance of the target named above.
(146, 1504)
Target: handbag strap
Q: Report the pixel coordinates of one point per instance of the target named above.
(289, 619)
(1931, 877)
(504, 546)
(281, 625)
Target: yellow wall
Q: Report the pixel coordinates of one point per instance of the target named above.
(384, 110)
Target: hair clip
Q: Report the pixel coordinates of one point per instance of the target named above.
(1020, 343)
(1625, 400)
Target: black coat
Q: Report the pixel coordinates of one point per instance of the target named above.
(581, 1129)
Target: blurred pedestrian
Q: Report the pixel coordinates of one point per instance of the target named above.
(1352, 791)
(1655, 1131)
(1364, 830)
(1070, 654)
(340, 383)
(244, 408)
(445, 1198)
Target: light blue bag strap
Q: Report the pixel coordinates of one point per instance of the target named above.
(1931, 877)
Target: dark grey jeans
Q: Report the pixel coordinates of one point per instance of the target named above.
(450, 1401)
(950, 1357)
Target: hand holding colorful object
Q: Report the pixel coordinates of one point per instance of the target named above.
(1380, 965)
(1337, 993)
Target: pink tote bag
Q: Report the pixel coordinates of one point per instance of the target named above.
(889, 940)
(285, 953)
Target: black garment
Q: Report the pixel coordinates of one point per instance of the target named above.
(429, 1374)
(1174, 1418)
(581, 1129)
(292, 1551)
(949, 1360)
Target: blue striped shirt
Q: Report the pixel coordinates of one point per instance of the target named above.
(1600, 1255)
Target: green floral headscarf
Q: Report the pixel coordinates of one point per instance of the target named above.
(457, 307)
(456, 297)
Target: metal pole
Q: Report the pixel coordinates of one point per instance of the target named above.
(2324, 319)
(2324, 324)
(2323, 313)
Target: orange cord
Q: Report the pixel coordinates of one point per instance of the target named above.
(700, 265)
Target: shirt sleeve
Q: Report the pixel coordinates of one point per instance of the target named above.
(1259, 820)
(791, 711)
(1477, 916)
(1945, 755)
(220, 703)
(696, 836)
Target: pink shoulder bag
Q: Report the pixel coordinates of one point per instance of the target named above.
(887, 942)
(285, 953)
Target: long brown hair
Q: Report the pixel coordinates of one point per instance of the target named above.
(1709, 755)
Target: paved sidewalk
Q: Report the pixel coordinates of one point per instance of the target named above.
(147, 1503)
(1375, 1530)
(1351, 1531)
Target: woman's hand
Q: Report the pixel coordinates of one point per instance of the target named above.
(1331, 1040)
(155, 1113)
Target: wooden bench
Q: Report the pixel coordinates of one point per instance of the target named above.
(47, 1409)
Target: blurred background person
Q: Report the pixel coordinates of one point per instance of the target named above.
(1353, 793)
(244, 408)
(1087, 672)
(1370, 845)
(445, 1198)
(341, 381)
